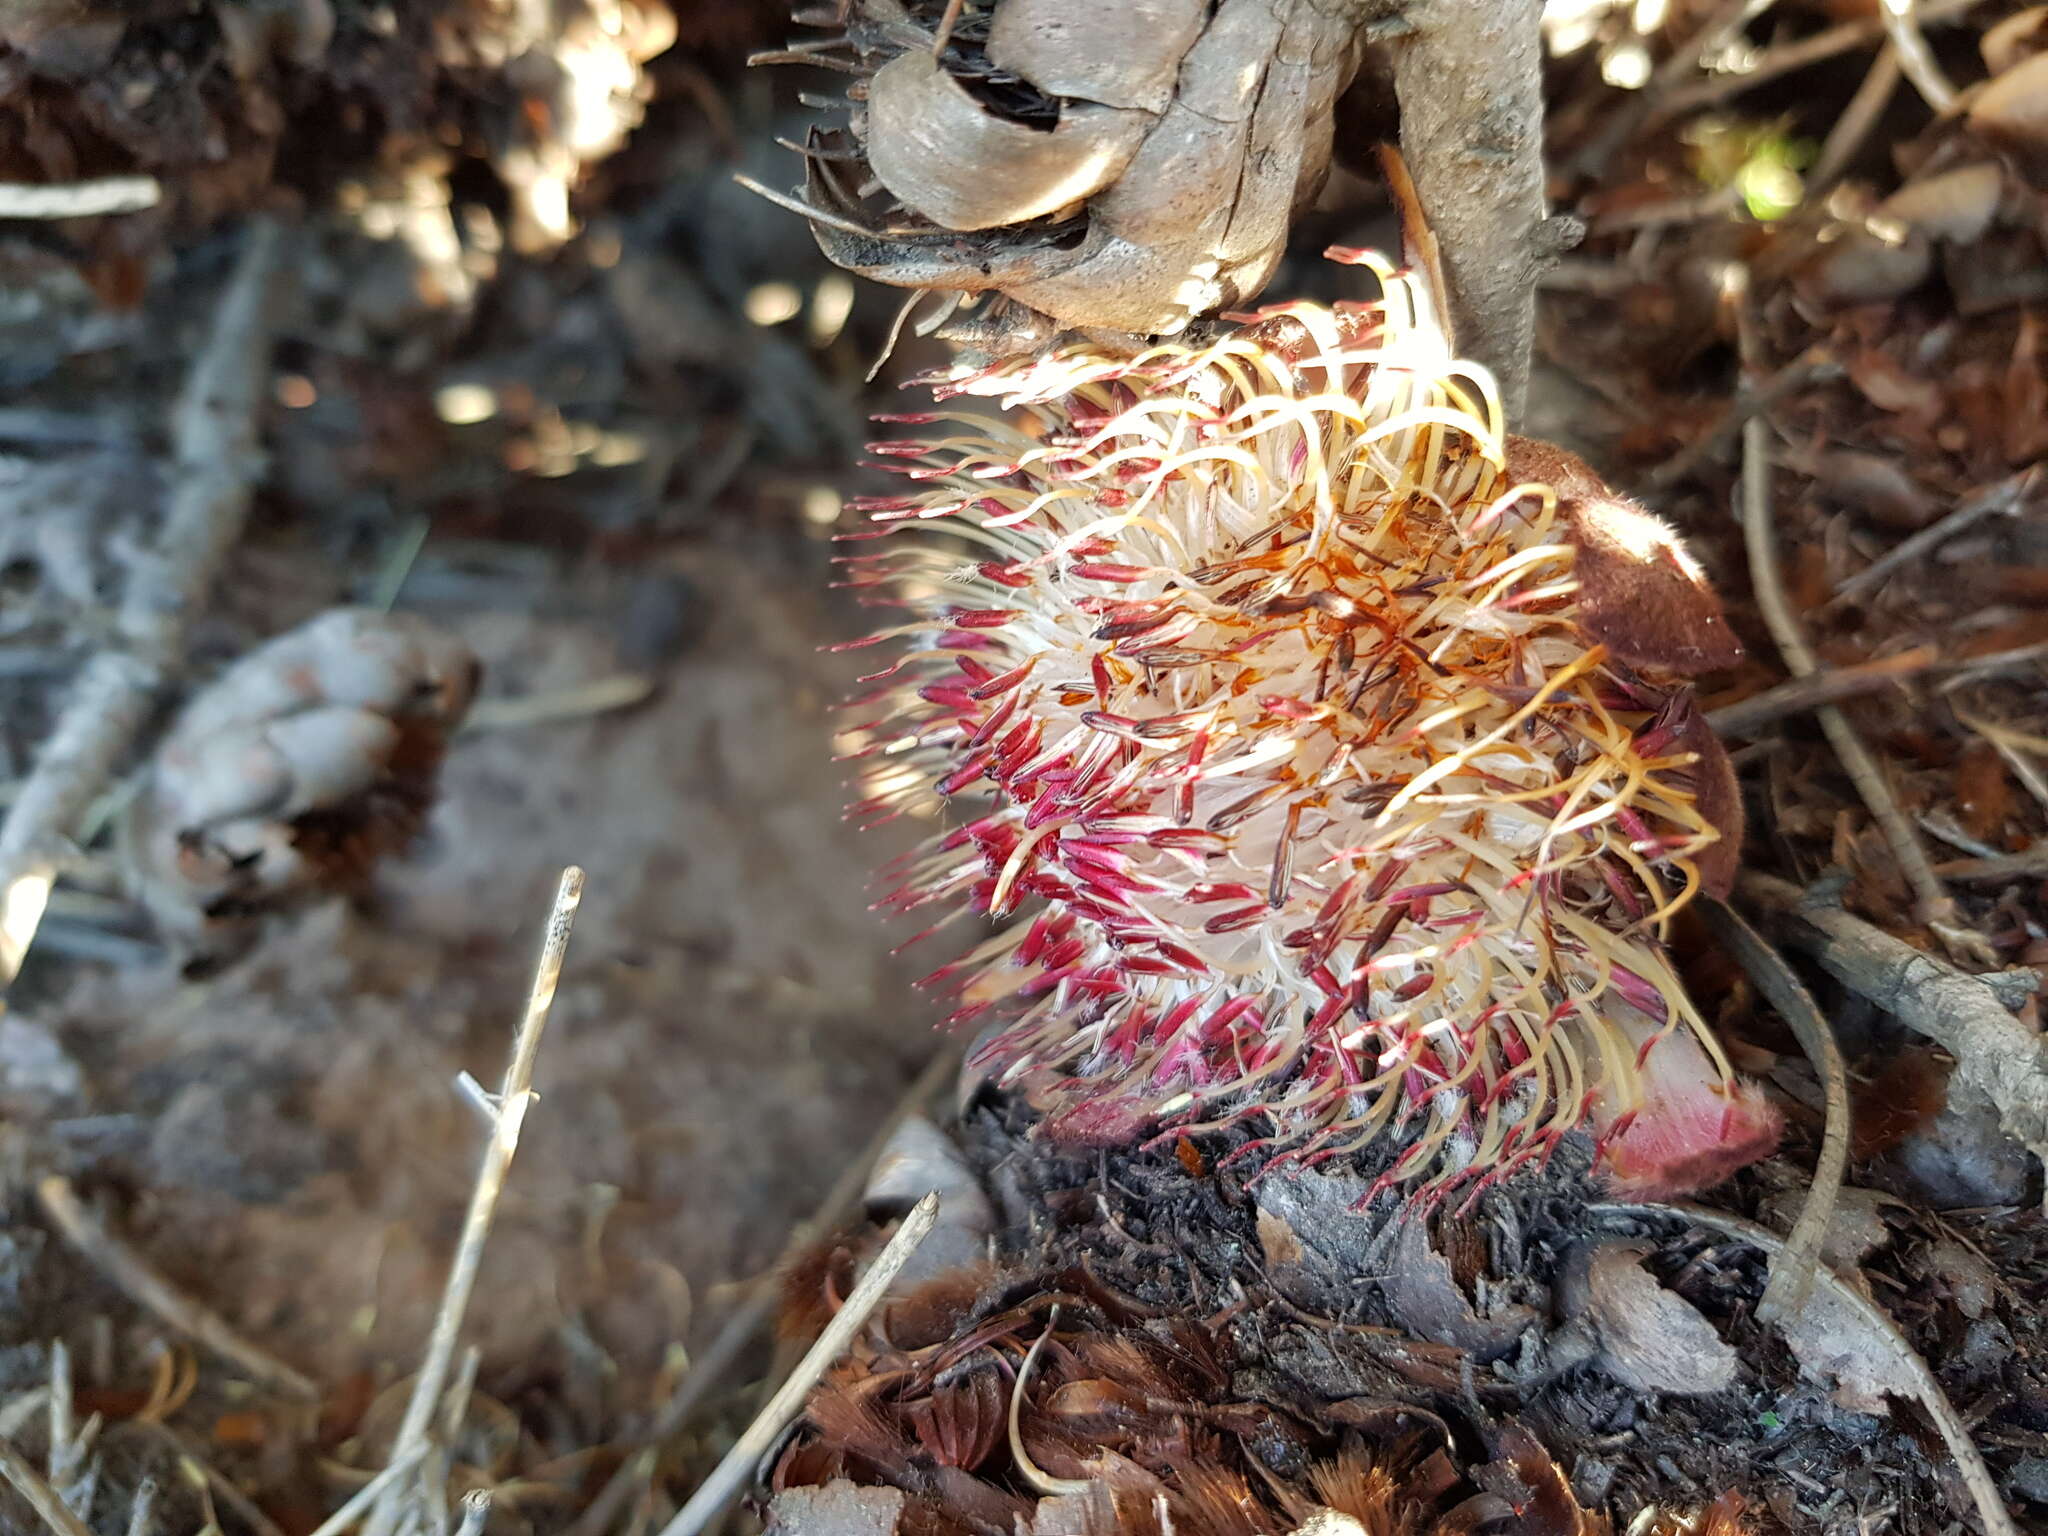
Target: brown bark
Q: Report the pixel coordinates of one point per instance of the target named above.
(1469, 77)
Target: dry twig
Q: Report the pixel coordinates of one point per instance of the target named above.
(1900, 1354)
(2028, 863)
(1775, 62)
(1811, 366)
(515, 1097)
(2005, 498)
(125, 1269)
(737, 1465)
(360, 1501)
(1854, 125)
(1629, 117)
(1916, 59)
(79, 199)
(1747, 716)
(206, 1476)
(42, 1498)
(1792, 1271)
(1996, 1055)
(214, 436)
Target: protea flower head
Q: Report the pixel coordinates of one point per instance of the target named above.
(1322, 750)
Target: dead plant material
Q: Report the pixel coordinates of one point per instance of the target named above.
(752, 1314)
(1747, 717)
(1792, 1273)
(1759, 537)
(124, 1268)
(1996, 1055)
(1902, 1369)
(214, 434)
(1053, 1404)
(738, 1465)
(1777, 62)
(514, 1097)
(2007, 498)
(42, 1498)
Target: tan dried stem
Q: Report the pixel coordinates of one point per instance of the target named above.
(42, 1498)
(216, 462)
(1630, 115)
(1746, 717)
(1777, 62)
(515, 1097)
(125, 1269)
(2006, 498)
(731, 1474)
(1854, 126)
(79, 199)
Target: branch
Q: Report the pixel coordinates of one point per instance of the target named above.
(1792, 1271)
(1469, 78)
(215, 443)
(758, 1306)
(1772, 63)
(1767, 581)
(1996, 1055)
(1747, 717)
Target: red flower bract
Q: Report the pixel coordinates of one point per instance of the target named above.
(1268, 707)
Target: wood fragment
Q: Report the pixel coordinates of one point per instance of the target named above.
(125, 1269)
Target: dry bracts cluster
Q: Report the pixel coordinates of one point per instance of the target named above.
(1049, 1404)
(1323, 751)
